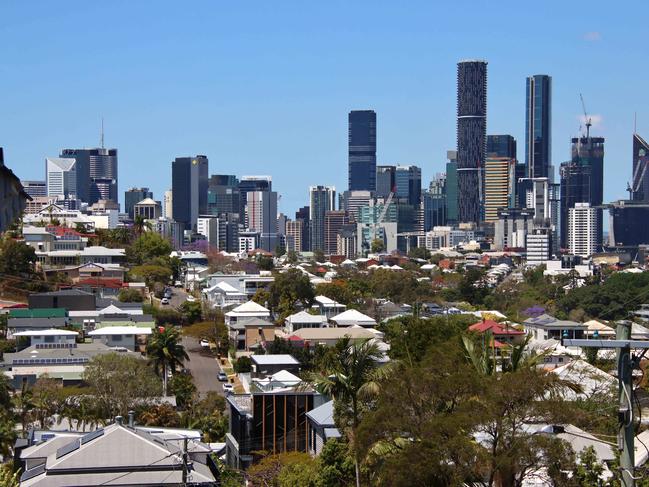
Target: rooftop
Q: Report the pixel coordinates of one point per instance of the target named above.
(274, 359)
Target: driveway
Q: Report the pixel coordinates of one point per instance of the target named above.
(203, 366)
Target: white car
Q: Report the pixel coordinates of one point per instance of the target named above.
(164, 301)
(228, 388)
(204, 343)
(191, 298)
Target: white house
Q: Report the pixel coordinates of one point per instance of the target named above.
(53, 336)
(119, 336)
(328, 307)
(245, 311)
(224, 295)
(304, 320)
(352, 317)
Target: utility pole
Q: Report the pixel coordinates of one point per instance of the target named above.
(185, 465)
(626, 362)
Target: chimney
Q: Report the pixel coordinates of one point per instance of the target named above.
(118, 419)
(131, 419)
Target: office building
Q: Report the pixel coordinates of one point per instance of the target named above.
(434, 202)
(471, 138)
(261, 217)
(219, 232)
(512, 227)
(408, 184)
(170, 230)
(223, 194)
(352, 201)
(321, 200)
(377, 222)
(334, 221)
(583, 228)
(538, 246)
(61, 177)
(35, 188)
(451, 187)
(294, 232)
(347, 241)
(640, 177)
(589, 151)
(133, 196)
(148, 209)
(189, 186)
(499, 186)
(501, 146)
(627, 224)
(362, 150)
(303, 215)
(538, 127)
(385, 180)
(96, 173)
(167, 204)
(248, 184)
(575, 188)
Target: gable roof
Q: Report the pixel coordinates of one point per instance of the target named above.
(323, 415)
(250, 307)
(495, 328)
(353, 316)
(304, 317)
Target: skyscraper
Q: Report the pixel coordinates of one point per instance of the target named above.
(385, 180)
(302, 215)
(248, 184)
(471, 138)
(499, 185)
(501, 146)
(451, 187)
(223, 194)
(61, 177)
(575, 188)
(408, 184)
(96, 173)
(640, 179)
(589, 152)
(583, 228)
(434, 202)
(362, 150)
(538, 126)
(167, 204)
(321, 200)
(261, 216)
(35, 188)
(334, 221)
(133, 196)
(189, 189)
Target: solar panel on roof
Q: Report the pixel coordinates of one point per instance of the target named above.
(32, 472)
(91, 436)
(69, 448)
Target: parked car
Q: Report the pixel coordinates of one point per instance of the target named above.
(178, 284)
(164, 301)
(228, 388)
(222, 377)
(191, 298)
(204, 343)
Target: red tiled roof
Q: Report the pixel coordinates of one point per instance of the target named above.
(60, 231)
(495, 328)
(100, 282)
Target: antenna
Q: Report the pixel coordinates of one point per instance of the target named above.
(586, 117)
(102, 133)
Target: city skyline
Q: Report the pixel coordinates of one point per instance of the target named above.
(414, 100)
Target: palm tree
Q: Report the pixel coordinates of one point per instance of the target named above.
(166, 352)
(481, 353)
(140, 224)
(352, 379)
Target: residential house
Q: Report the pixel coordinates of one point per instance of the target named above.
(129, 337)
(303, 319)
(248, 284)
(322, 427)
(266, 365)
(545, 326)
(52, 237)
(70, 299)
(24, 320)
(60, 215)
(117, 455)
(95, 254)
(503, 334)
(328, 307)
(56, 338)
(246, 311)
(223, 295)
(90, 272)
(328, 337)
(352, 317)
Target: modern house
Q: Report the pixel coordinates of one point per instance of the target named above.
(55, 337)
(249, 333)
(266, 365)
(328, 337)
(322, 427)
(121, 336)
(117, 455)
(545, 326)
(69, 299)
(248, 284)
(352, 317)
(302, 319)
(327, 307)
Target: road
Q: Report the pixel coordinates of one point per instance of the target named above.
(203, 366)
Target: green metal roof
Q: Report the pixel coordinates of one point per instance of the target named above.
(38, 313)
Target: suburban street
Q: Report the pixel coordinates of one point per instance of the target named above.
(203, 366)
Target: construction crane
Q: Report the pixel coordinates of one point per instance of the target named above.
(586, 117)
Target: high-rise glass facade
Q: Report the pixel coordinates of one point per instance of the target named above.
(385, 180)
(471, 138)
(321, 200)
(501, 146)
(96, 173)
(132, 197)
(575, 188)
(189, 187)
(538, 127)
(223, 194)
(640, 178)
(362, 150)
(451, 187)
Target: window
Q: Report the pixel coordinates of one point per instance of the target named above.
(49, 339)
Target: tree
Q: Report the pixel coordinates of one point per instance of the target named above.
(243, 365)
(129, 295)
(168, 317)
(45, 400)
(377, 246)
(340, 291)
(119, 383)
(163, 415)
(182, 386)
(419, 253)
(207, 414)
(140, 225)
(336, 464)
(16, 258)
(148, 246)
(289, 289)
(352, 380)
(192, 311)
(318, 255)
(268, 471)
(166, 352)
(150, 274)
(8, 478)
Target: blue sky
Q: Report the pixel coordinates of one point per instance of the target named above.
(265, 87)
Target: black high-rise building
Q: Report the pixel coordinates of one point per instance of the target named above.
(304, 215)
(385, 180)
(362, 150)
(640, 178)
(538, 127)
(189, 188)
(132, 197)
(223, 194)
(471, 138)
(576, 181)
(249, 184)
(501, 146)
(96, 173)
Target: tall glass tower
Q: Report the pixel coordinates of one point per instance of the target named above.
(471, 138)
(538, 126)
(362, 150)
